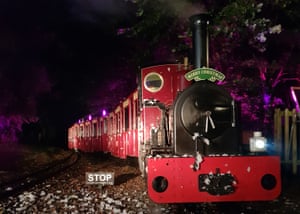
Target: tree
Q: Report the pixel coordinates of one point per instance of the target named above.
(24, 77)
(249, 46)
(248, 43)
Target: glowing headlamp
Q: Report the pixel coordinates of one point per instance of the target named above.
(258, 143)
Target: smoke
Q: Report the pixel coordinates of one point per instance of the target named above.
(89, 10)
(185, 9)
(182, 8)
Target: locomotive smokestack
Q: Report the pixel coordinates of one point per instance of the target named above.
(199, 25)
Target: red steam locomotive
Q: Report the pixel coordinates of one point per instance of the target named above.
(184, 130)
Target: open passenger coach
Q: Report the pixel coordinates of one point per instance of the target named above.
(185, 130)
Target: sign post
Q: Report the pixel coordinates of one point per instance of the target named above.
(100, 178)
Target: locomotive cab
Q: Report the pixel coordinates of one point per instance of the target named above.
(205, 121)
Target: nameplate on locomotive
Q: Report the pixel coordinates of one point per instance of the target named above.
(204, 74)
(101, 178)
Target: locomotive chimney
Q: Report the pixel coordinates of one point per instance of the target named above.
(199, 25)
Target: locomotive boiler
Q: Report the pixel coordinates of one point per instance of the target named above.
(184, 129)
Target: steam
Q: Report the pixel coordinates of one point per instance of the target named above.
(185, 9)
(89, 9)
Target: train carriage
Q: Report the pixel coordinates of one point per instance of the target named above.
(94, 134)
(81, 139)
(87, 136)
(72, 141)
(130, 131)
(117, 141)
(103, 143)
(110, 132)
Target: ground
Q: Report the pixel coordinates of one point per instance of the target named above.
(18, 159)
(68, 191)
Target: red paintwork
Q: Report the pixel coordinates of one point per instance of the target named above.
(95, 148)
(122, 147)
(131, 143)
(135, 150)
(127, 137)
(151, 117)
(183, 181)
(71, 136)
(173, 82)
(104, 143)
(165, 95)
(179, 82)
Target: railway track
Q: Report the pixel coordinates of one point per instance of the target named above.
(23, 182)
(67, 192)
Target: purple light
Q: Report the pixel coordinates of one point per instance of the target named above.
(103, 113)
(267, 98)
(90, 117)
(294, 96)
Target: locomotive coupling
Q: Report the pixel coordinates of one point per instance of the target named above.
(217, 183)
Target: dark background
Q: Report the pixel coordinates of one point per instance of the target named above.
(61, 60)
(58, 60)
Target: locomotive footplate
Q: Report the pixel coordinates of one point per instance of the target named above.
(218, 179)
(217, 183)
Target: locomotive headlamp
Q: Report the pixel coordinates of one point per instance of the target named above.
(258, 143)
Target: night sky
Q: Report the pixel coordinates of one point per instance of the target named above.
(59, 58)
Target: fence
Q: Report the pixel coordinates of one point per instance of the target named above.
(285, 137)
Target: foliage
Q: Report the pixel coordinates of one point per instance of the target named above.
(247, 43)
(10, 128)
(19, 95)
(243, 43)
(157, 31)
